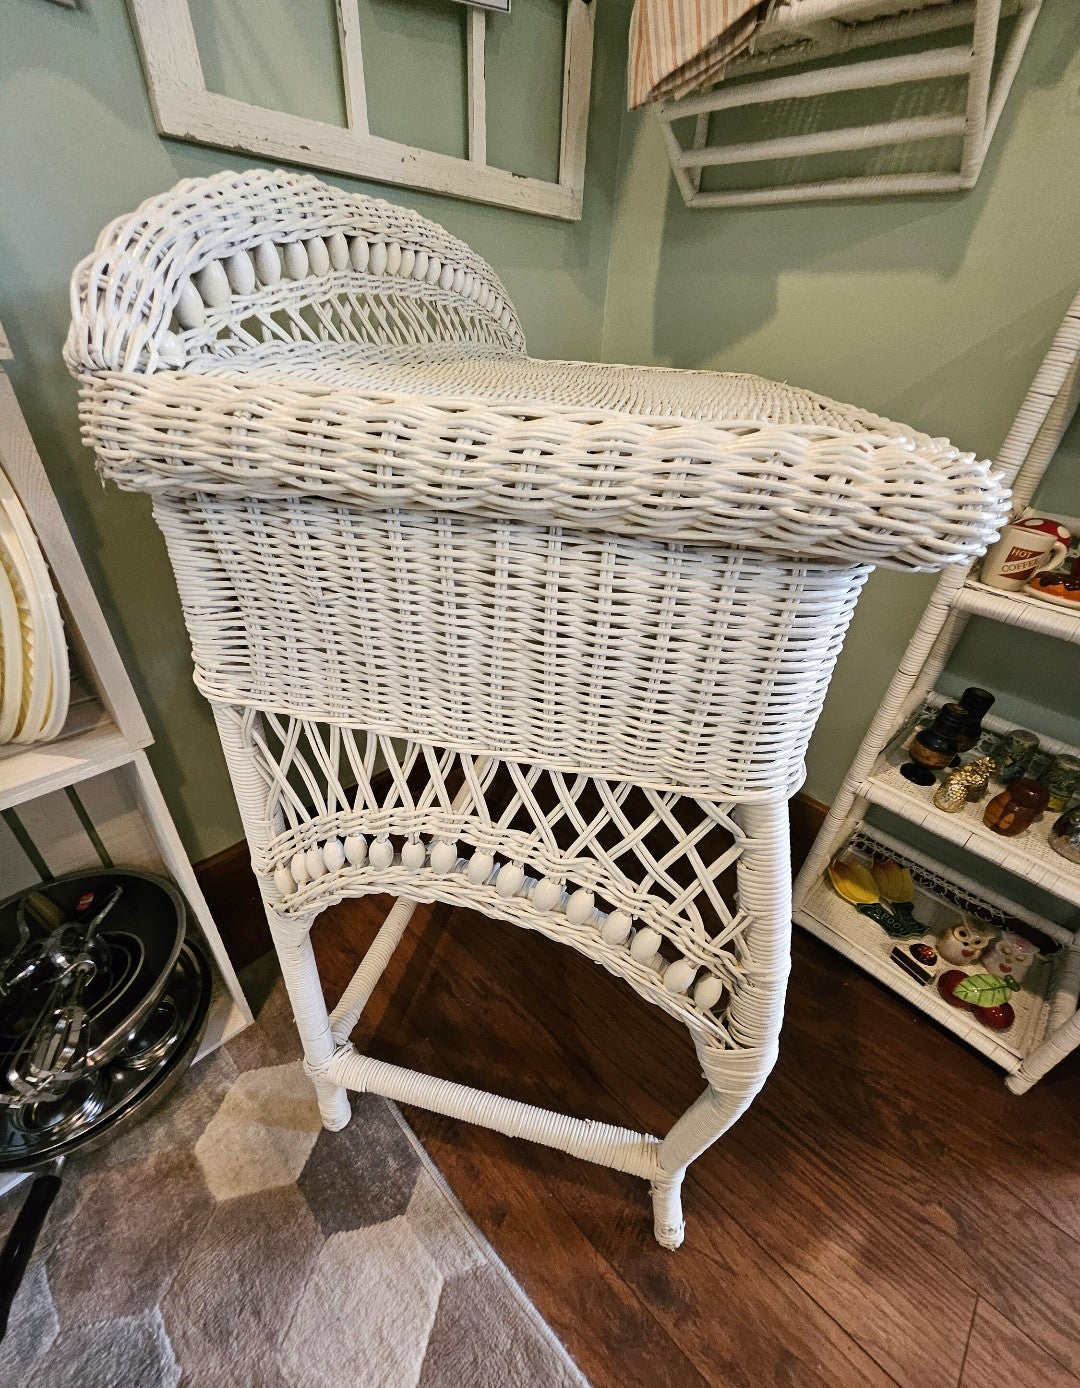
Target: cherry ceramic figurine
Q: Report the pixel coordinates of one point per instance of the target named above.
(986, 996)
(946, 986)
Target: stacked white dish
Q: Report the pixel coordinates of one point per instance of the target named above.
(35, 682)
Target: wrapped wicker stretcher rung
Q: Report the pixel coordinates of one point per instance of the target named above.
(544, 638)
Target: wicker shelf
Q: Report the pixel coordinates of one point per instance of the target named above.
(874, 775)
(832, 34)
(1019, 610)
(106, 731)
(1028, 856)
(1047, 1000)
(225, 1021)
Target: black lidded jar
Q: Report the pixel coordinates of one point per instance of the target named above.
(978, 703)
(934, 747)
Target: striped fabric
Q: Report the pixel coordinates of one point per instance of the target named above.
(677, 46)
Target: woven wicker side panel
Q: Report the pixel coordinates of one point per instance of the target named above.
(332, 813)
(662, 664)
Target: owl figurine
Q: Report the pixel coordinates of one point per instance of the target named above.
(964, 942)
(1010, 956)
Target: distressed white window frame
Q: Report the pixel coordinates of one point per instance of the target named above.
(184, 109)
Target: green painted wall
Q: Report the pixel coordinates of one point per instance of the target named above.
(78, 147)
(934, 310)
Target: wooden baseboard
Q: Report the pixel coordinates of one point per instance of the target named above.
(233, 894)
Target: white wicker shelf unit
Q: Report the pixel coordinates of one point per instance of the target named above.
(1048, 1000)
(873, 779)
(106, 732)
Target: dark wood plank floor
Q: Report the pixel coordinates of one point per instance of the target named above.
(886, 1211)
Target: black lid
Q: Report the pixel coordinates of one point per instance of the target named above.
(951, 718)
(977, 701)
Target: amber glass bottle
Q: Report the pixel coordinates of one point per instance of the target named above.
(1014, 809)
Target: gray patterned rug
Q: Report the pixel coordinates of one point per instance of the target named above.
(229, 1242)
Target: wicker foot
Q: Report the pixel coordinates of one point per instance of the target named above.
(334, 1107)
(1018, 1082)
(668, 1224)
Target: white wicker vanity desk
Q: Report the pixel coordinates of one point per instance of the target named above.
(585, 615)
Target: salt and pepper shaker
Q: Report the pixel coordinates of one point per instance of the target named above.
(1061, 778)
(1010, 956)
(978, 703)
(979, 772)
(1014, 753)
(1015, 808)
(952, 795)
(1065, 835)
(933, 748)
(965, 784)
(957, 728)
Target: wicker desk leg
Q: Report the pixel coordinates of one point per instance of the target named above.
(756, 1012)
(292, 941)
(240, 729)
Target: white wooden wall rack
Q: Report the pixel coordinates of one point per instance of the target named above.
(90, 798)
(1050, 1027)
(185, 109)
(963, 44)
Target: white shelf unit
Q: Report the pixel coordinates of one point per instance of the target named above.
(1048, 999)
(89, 745)
(873, 779)
(102, 748)
(1019, 610)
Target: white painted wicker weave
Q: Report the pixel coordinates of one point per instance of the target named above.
(583, 615)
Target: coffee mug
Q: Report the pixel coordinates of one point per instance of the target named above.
(1027, 547)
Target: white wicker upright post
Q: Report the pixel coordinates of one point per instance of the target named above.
(546, 639)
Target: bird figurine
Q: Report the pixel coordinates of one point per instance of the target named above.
(1010, 956)
(963, 942)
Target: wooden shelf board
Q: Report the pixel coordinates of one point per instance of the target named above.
(89, 745)
(1019, 610)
